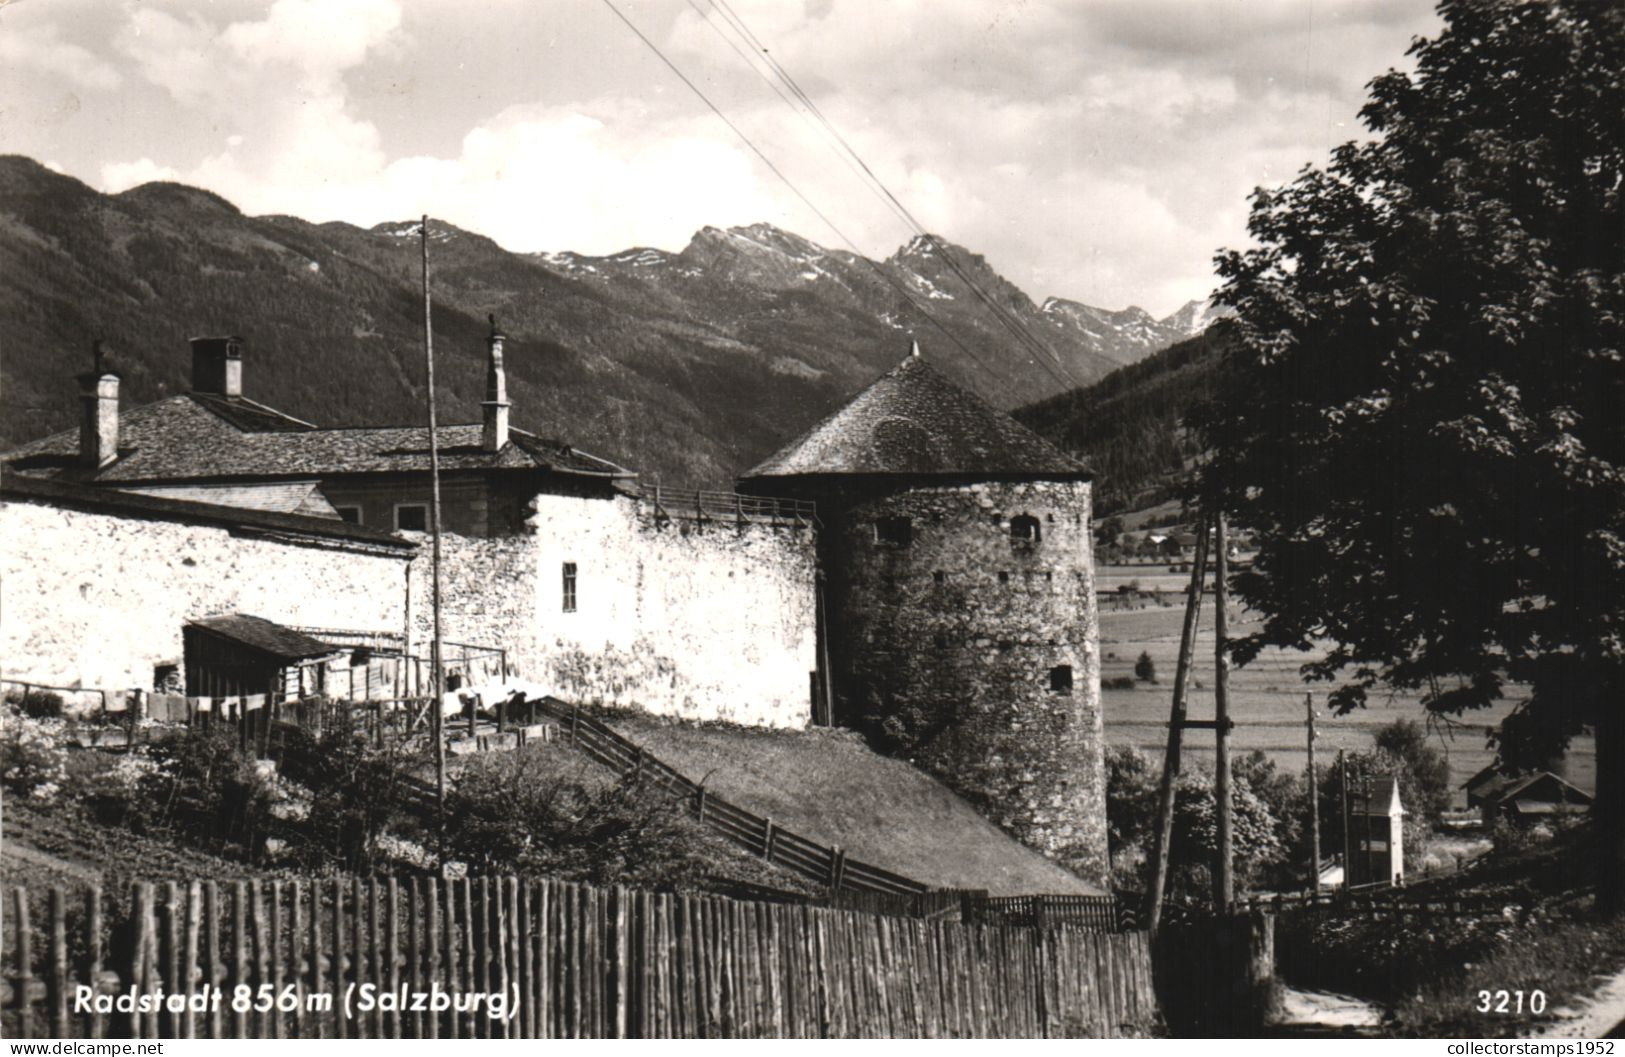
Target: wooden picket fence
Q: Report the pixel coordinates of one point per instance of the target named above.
(760, 836)
(296, 959)
(1100, 913)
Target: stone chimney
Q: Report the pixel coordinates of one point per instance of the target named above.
(495, 404)
(98, 418)
(217, 366)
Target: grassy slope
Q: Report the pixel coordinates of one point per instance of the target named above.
(829, 787)
(50, 845)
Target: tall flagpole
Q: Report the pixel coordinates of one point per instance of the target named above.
(437, 722)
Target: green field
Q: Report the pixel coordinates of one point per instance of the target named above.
(1266, 696)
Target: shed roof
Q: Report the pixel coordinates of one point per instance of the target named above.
(200, 436)
(265, 636)
(913, 420)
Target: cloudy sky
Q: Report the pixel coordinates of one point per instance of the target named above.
(1094, 149)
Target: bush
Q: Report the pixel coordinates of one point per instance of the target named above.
(204, 785)
(1119, 682)
(512, 811)
(32, 762)
(1144, 669)
(36, 704)
(357, 814)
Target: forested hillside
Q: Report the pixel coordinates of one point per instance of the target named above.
(689, 367)
(1128, 426)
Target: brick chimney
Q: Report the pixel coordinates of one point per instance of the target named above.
(217, 366)
(98, 417)
(495, 404)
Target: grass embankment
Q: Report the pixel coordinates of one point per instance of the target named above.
(1428, 973)
(828, 786)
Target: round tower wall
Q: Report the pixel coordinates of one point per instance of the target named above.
(963, 636)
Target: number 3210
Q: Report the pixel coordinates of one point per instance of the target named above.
(1511, 1001)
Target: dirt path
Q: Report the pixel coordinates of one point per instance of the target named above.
(1324, 1015)
(1600, 1016)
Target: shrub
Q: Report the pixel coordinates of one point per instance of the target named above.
(1119, 682)
(36, 704)
(511, 811)
(203, 784)
(357, 793)
(1145, 669)
(32, 763)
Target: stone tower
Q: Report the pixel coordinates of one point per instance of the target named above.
(959, 616)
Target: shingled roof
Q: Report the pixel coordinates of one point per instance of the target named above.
(914, 421)
(81, 496)
(203, 436)
(266, 636)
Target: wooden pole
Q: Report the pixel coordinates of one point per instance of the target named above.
(1314, 798)
(438, 674)
(1348, 844)
(1163, 834)
(1224, 878)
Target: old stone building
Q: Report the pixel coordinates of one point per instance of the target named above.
(697, 605)
(918, 566)
(959, 598)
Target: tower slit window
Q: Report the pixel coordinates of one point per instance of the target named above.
(569, 587)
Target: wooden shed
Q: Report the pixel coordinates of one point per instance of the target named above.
(238, 655)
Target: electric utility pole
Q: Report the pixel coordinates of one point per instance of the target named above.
(1224, 881)
(1314, 797)
(1177, 722)
(437, 721)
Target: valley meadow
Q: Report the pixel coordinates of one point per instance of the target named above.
(1266, 696)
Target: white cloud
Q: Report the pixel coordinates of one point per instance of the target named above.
(41, 48)
(1098, 151)
(121, 176)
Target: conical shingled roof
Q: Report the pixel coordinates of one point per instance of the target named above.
(914, 421)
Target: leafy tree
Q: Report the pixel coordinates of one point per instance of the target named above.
(1261, 833)
(1421, 413)
(1145, 670)
(1423, 771)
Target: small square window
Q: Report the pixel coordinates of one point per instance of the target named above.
(412, 517)
(352, 514)
(939, 577)
(1060, 679)
(1004, 578)
(898, 531)
(569, 587)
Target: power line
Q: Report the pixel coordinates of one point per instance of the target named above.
(797, 191)
(1007, 319)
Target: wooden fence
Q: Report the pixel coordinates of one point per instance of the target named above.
(1100, 913)
(1396, 903)
(761, 836)
(303, 959)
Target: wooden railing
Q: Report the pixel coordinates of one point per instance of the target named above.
(758, 835)
(299, 958)
(696, 504)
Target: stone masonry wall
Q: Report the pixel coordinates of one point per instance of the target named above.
(99, 598)
(944, 648)
(709, 622)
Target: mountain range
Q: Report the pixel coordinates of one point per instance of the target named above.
(689, 367)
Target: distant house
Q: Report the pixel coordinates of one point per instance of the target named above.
(1376, 832)
(1524, 798)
